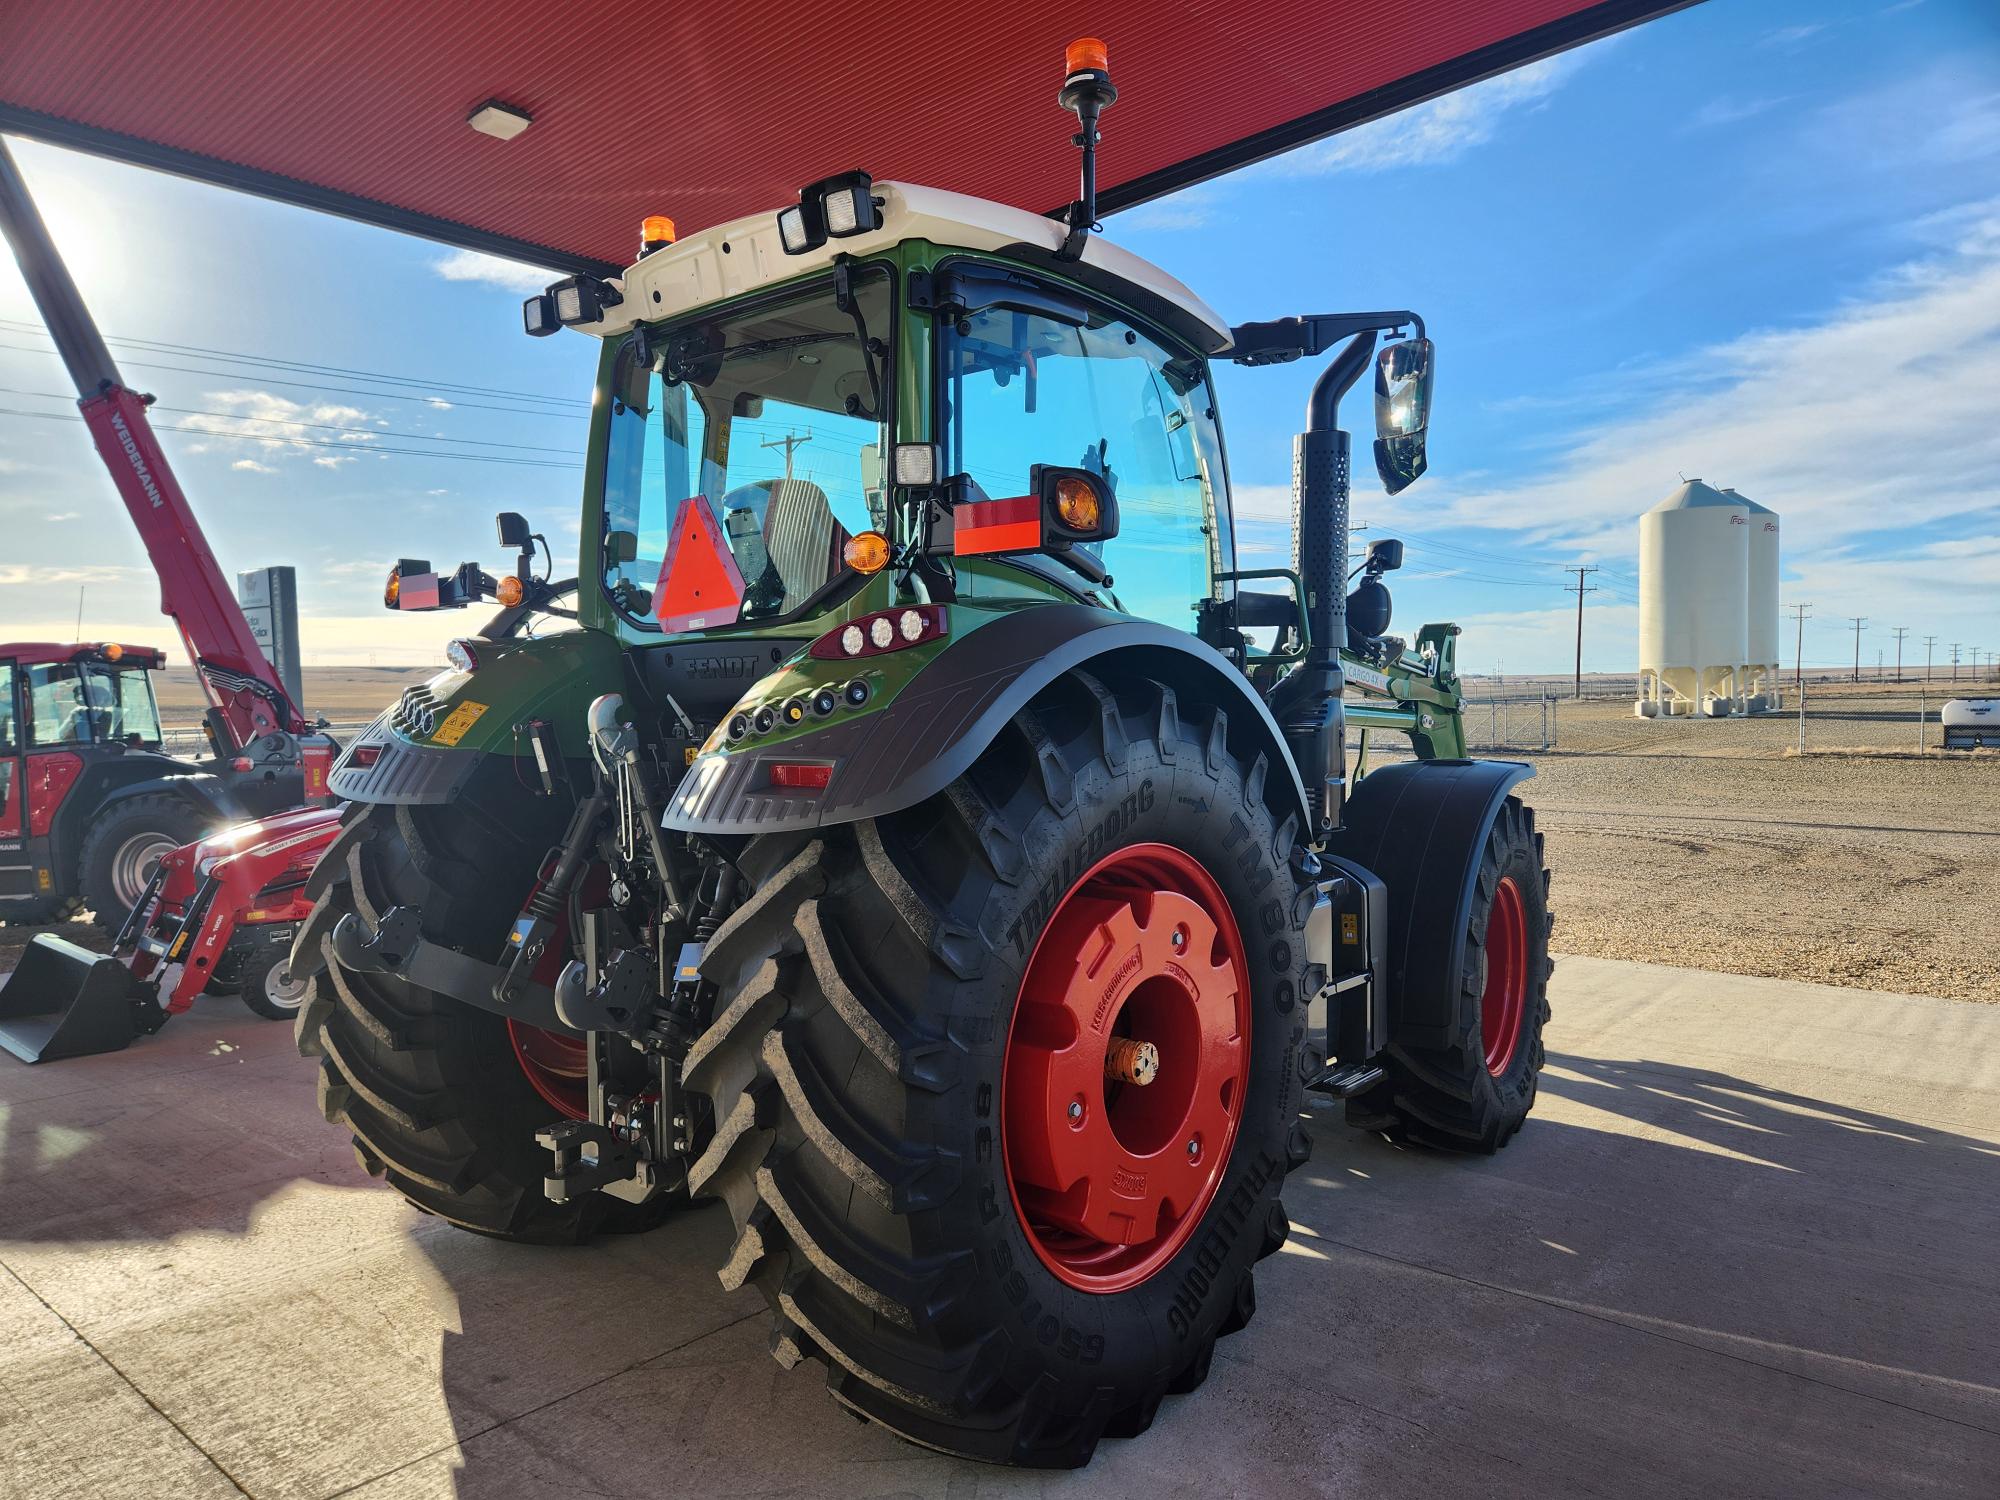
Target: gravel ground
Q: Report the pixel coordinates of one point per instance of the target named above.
(1877, 873)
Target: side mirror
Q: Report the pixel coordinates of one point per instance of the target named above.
(1385, 555)
(1403, 377)
(515, 534)
(621, 546)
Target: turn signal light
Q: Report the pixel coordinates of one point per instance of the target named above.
(866, 552)
(1076, 503)
(509, 591)
(393, 589)
(1086, 55)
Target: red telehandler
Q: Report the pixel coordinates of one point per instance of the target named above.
(90, 801)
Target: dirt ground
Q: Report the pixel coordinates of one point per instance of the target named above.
(1706, 844)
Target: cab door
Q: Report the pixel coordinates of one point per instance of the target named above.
(17, 870)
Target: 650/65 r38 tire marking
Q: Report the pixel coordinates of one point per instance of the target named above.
(1111, 1175)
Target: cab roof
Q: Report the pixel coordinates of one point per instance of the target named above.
(45, 653)
(710, 112)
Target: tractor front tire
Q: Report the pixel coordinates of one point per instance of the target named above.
(994, 1249)
(1474, 1093)
(123, 847)
(441, 1099)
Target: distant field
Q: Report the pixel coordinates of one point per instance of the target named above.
(343, 694)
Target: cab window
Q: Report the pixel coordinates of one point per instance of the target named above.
(1021, 389)
(763, 429)
(82, 703)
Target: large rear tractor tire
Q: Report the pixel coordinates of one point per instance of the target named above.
(444, 1099)
(1474, 1094)
(996, 1249)
(125, 845)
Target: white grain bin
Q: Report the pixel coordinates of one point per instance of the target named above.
(1970, 723)
(1694, 569)
(1759, 689)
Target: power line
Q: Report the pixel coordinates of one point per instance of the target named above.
(353, 450)
(331, 390)
(16, 325)
(237, 416)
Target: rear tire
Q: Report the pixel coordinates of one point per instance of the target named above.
(868, 992)
(124, 846)
(1475, 1093)
(430, 1088)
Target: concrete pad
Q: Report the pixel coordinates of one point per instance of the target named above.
(1745, 1246)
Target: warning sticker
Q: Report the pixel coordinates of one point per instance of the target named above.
(457, 722)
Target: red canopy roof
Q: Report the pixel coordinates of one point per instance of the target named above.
(709, 111)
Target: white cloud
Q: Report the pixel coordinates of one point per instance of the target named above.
(1730, 110)
(437, 401)
(1791, 36)
(64, 515)
(1878, 417)
(1192, 208)
(270, 426)
(1441, 129)
(509, 275)
(333, 460)
(437, 492)
(31, 573)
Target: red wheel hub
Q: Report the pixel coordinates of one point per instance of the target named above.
(1110, 1176)
(557, 1064)
(1505, 999)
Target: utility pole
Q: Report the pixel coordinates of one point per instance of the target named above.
(1901, 631)
(788, 443)
(1954, 661)
(1800, 613)
(1860, 624)
(1929, 641)
(1581, 573)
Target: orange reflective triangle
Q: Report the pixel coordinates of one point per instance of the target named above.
(700, 585)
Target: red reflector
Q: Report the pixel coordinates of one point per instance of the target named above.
(367, 755)
(795, 776)
(700, 585)
(242, 763)
(1011, 525)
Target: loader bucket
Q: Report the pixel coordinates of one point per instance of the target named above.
(65, 1001)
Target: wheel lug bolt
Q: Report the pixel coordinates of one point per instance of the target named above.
(1194, 1148)
(1076, 1109)
(1179, 939)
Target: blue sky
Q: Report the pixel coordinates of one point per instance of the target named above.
(1757, 242)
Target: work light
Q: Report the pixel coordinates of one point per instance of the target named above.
(582, 299)
(836, 206)
(917, 465)
(538, 315)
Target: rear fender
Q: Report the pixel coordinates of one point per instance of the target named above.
(940, 722)
(1421, 826)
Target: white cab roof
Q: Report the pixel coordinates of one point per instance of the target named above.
(739, 257)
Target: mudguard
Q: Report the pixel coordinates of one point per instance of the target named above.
(934, 729)
(1422, 826)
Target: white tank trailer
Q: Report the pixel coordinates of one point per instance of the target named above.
(1708, 605)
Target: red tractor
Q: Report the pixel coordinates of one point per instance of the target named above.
(90, 800)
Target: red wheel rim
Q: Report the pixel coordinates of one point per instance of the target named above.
(557, 1064)
(1505, 998)
(1111, 1178)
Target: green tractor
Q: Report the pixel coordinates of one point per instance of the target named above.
(920, 837)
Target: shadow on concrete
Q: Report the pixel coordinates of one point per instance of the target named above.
(1676, 1281)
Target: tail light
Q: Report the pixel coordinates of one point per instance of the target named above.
(885, 630)
(799, 776)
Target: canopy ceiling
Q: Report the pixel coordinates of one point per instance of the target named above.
(706, 112)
